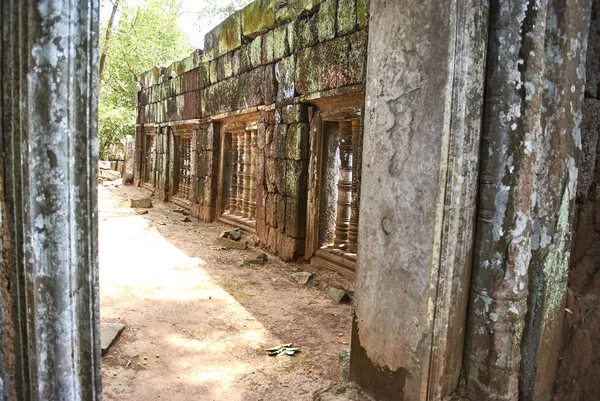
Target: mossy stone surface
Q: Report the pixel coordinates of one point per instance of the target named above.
(297, 142)
(224, 66)
(212, 71)
(268, 42)
(225, 37)
(325, 66)
(281, 47)
(296, 178)
(362, 13)
(326, 23)
(346, 17)
(285, 73)
(255, 52)
(258, 17)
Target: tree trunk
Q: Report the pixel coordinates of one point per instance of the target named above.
(107, 40)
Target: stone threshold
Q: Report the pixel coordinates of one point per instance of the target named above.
(244, 224)
(336, 260)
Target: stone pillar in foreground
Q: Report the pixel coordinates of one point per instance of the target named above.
(49, 320)
(424, 97)
(534, 88)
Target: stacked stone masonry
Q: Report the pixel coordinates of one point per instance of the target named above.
(470, 163)
(243, 105)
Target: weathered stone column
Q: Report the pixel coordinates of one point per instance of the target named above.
(529, 163)
(247, 168)
(234, 173)
(252, 189)
(355, 202)
(344, 186)
(422, 124)
(49, 318)
(240, 175)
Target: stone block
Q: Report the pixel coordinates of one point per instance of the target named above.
(108, 334)
(271, 174)
(302, 277)
(271, 210)
(245, 63)
(258, 17)
(229, 243)
(213, 137)
(281, 47)
(280, 176)
(294, 113)
(297, 145)
(261, 230)
(295, 218)
(280, 204)
(307, 33)
(362, 13)
(203, 76)
(279, 142)
(255, 51)
(268, 42)
(235, 62)
(272, 238)
(285, 74)
(224, 66)
(238, 92)
(212, 72)
(225, 37)
(357, 57)
(338, 294)
(296, 183)
(289, 248)
(292, 9)
(326, 66)
(137, 203)
(270, 86)
(346, 17)
(327, 20)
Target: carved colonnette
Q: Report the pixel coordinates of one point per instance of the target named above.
(264, 65)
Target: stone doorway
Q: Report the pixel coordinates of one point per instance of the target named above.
(181, 168)
(335, 197)
(149, 158)
(237, 190)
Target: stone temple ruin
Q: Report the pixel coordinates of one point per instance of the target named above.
(262, 129)
(445, 154)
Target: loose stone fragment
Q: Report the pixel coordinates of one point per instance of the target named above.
(103, 164)
(229, 243)
(259, 259)
(108, 333)
(109, 175)
(344, 365)
(338, 294)
(137, 203)
(235, 234)
(302, 277)
(141, 211)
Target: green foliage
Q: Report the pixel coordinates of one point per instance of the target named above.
(146, 34)
(218, 10)
(114, 123)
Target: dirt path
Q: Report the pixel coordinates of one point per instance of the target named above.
(207, 317)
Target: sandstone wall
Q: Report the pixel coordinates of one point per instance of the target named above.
(275, 59)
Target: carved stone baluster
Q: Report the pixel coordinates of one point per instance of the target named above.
(240, 175)
(354, 206)
(234, 174)
(252, 210)
(342, 220)
(247, 175)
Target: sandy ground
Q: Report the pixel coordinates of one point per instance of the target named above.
(206, 317)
